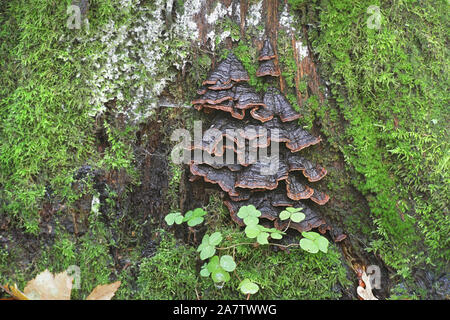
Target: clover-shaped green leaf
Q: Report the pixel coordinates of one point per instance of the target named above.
(262, 238)
(194, 217)
(213, 264)
(262, 233)
(195, 221)
(322, 243)
(284, 215)
(252, 231)
(204, 272)
(311, 235)
(248, 211)
(309, 245)
(297, 216)
(251, 220)
(248, 287)
(313, 242)
(174, 217)
(227, 263)
(276, 235)
(208, 246)
(293, 210)
(207, 252)
(216, 269)
(215, 238)
(220, 276)
(294, 214)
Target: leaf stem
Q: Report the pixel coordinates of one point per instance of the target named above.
(270, 244)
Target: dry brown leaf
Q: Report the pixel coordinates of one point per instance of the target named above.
(104, 292)
(14, 292)
(47, 286)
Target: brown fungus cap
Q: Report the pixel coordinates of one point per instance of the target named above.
(214, 97)
(296, 190)
(267, 52)
(230, 69)
(293, 135)
(267, 68)
(279, 105)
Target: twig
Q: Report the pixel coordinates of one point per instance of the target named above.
(270, 244)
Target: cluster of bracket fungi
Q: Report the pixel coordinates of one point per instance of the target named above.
(243, 178)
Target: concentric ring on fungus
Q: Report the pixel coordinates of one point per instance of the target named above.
(267, 52)
(230, 69)
(247, 179)
(294, 136)
(267, 68)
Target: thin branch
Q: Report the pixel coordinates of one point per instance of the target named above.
(252, 243)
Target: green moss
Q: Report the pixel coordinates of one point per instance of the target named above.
(170, 274)
(46, 130)
(173, 273)
(389, 85)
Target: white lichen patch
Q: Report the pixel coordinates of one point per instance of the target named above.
(287, 20)
(302, 50)
(141, 56)
(254, 21)
(186, 25)
(220, 12)
(254, 14)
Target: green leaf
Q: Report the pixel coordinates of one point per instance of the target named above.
(195, 221)
(179, 219)
(251, 220)
(199, 212)
(207, 252)
(246, 211)
(220, 276)
(309, 245)
(204, 272)
(293, 210)
(297, 216)
(170, 219)
(215, 238)
(227, 263)
(311, 235)
(255, 213)
(322, 243)
(202, 246)
(173, 217)
(262, 238)
(252, 231)
(248, 287)
(243, 212)
(275, 235)
(213, 264)
(284, 215)
(188, 215)
(205, 240)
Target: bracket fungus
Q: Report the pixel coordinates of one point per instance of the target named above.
(266, 58)
(247, 174)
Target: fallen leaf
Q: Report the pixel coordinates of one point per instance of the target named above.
(47, 286)
(14, 292)
(366, 293)
(104, 292)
